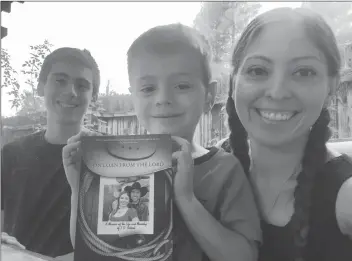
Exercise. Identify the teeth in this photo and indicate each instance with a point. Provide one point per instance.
(67, 105)
(276, 116)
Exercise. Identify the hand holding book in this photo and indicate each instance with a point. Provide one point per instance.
(11, 241)
(183, 169)
(72, 156)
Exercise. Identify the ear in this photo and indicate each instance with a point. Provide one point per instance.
(210, 96)
(94, 97)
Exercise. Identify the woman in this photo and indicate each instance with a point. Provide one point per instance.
(121, 210)
(285, 69)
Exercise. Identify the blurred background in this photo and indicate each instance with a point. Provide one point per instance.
(31, 30)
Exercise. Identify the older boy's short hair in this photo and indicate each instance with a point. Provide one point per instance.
(83, 56)
(173, 38)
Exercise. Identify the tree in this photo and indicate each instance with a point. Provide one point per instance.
(115, 102)
(222, 23)
(9, 78)
(30, 104)
(338, 15)
(32, 67)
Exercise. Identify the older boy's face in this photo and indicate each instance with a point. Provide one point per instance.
(168, 92)
(68, 91)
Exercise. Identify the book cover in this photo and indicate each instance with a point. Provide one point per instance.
(125, 205)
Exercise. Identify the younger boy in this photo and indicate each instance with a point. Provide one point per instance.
(171, 87)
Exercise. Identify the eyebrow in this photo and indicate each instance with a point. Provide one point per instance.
(67, 76)
(296, 59)
(147, 77)
(60, 74)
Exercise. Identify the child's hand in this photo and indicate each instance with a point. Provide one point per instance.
(183, 181)
(71, 157)
(9, 240)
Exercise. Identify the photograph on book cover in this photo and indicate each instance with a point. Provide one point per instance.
(126, 206)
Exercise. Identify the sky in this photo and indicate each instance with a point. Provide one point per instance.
(106, 29)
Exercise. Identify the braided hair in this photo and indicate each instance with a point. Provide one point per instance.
(315, 153)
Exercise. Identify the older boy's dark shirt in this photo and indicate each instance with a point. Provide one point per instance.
(35, 195)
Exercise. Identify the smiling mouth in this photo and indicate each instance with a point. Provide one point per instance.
(66, 105)
(276, 115)
(166, 116)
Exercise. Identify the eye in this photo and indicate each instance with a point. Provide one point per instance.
(83, 85)
(147, 89)
(305, 72)
(257, 71)
(183, 86)
(61, 81)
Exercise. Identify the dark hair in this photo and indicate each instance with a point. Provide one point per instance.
(173, 38)
(118, 202)
(315, 153)
(83, 56)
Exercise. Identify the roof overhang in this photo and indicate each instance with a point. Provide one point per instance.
(6, 7)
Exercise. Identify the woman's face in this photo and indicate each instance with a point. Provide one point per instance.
(124, 200)
(281, 85)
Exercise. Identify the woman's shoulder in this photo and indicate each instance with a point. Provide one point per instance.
(343, 207)
(338, 166)
(336, 184)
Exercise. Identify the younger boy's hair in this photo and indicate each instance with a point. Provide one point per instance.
(171, 39)
(83, 56)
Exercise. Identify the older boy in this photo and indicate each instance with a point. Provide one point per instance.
(35, 195)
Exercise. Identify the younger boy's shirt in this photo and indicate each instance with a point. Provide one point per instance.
(35, 195)
(223, 189)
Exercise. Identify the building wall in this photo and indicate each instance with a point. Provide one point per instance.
(344, 107)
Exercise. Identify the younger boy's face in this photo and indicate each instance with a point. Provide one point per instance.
(168, 92)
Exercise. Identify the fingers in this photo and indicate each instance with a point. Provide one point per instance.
(185, 146)
(6, 239)
(82, 133)
(183, 156)
(70, 150)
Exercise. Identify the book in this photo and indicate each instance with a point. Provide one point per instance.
(125, 199)
(9, 253)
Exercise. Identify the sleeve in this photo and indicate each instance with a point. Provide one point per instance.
(237, 207)
(145, 213)
(344, 208)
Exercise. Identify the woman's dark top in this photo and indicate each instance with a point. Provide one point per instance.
(325, 240)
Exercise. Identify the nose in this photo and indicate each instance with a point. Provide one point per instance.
(278, 88)
(71, 89)
(163, 96)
